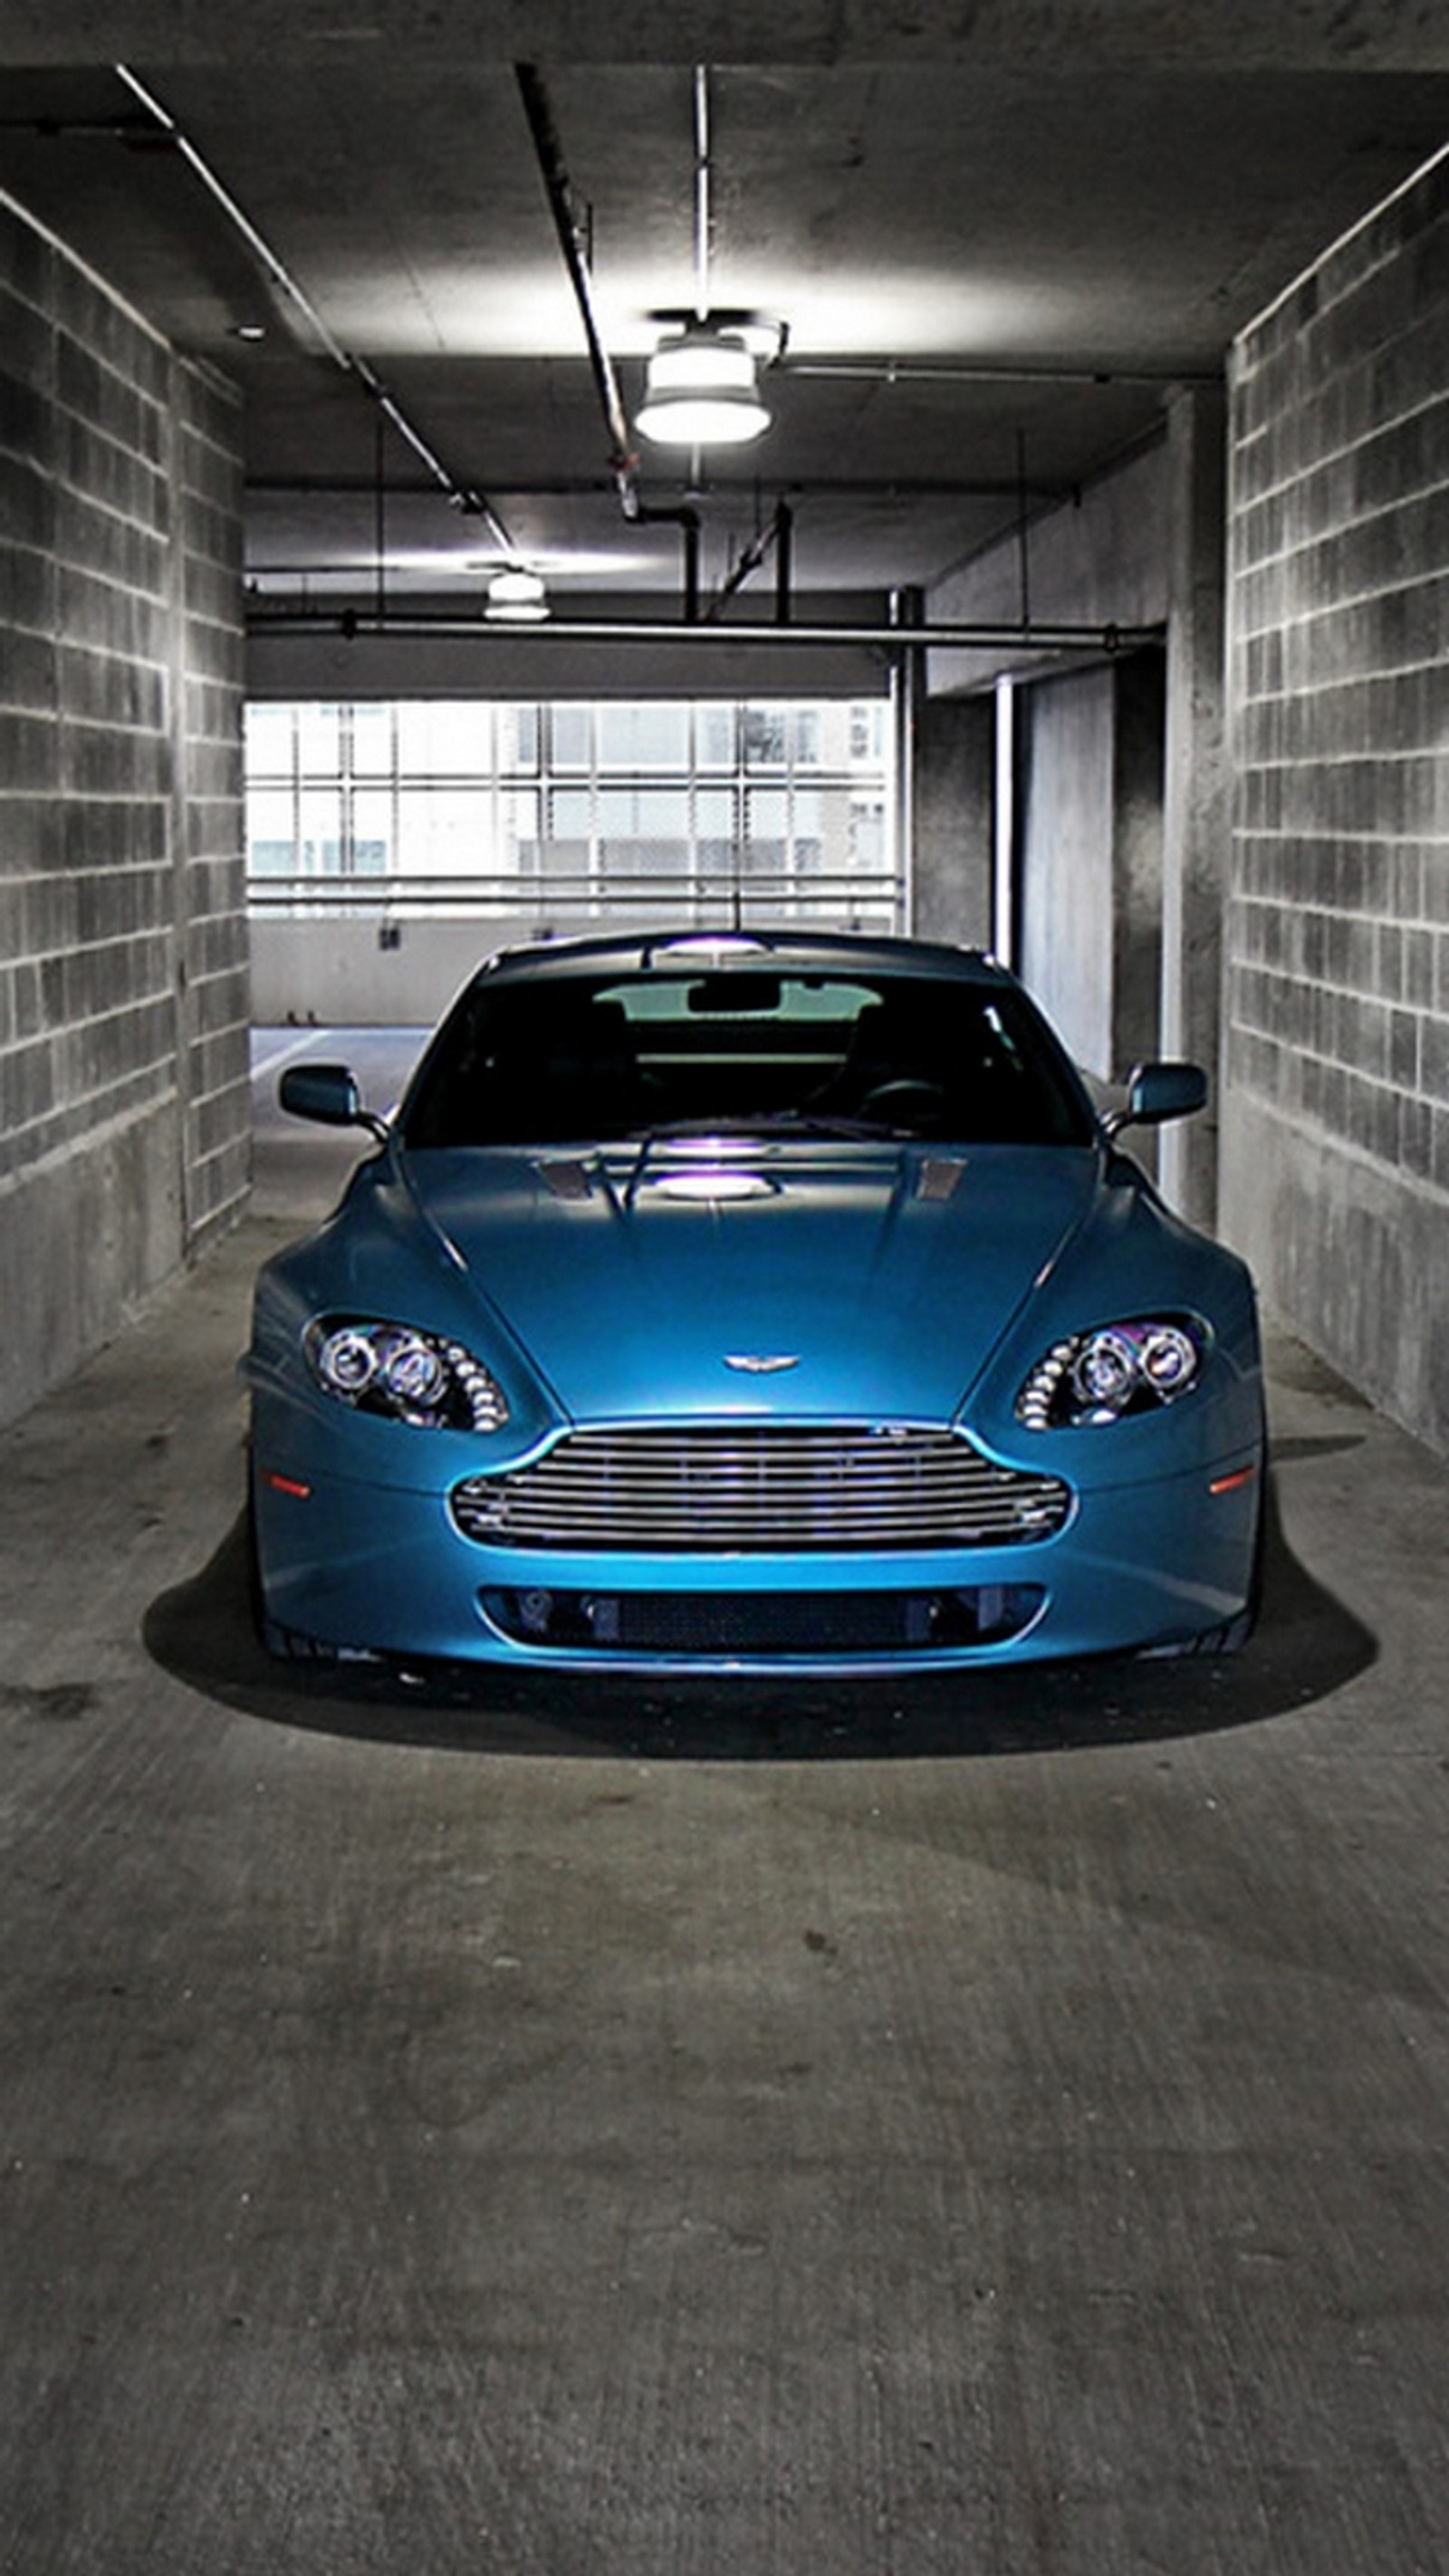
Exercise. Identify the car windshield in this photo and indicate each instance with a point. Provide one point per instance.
(569, 1059)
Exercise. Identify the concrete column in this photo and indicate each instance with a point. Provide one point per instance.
(1195, 800)
(1137, 756)
(955, 742)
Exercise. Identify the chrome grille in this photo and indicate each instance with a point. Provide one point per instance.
(760, 1489)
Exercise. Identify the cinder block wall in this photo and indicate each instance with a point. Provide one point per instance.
(208, 833)
(123, 986)
(1336, 1115)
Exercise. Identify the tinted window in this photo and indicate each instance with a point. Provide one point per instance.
(569, 1059)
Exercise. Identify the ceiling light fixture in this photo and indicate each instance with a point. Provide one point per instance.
(700, 387)
(517, 597)
(700, 390)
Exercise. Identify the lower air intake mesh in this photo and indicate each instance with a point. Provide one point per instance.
(711, 1625)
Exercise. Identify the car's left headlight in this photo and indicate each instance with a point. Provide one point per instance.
(426, 1379)
(1112, 1371)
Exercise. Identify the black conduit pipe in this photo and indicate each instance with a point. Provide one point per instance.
(623, 463)
(686, 519)
(560, 199)
(779, 534)
(784, 563)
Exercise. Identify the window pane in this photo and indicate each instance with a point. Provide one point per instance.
(867, 729)
(319, 849)
(648, 813)
(571, 814)
(643, 737)
(643, 832)
(268, 741)
(665, 802)
(372, 850)
(867, 833)
(764, 737)
(443, 831)
(807, 836)
(518, 814)
(319, 741)
(766, 830)
(372, 741)
(714, 737)
(271, 847)
(567, 849)
(571, 736)
(445, 737)
(518, 739)
(805, 738)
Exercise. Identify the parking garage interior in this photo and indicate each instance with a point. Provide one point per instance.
(984, 2125)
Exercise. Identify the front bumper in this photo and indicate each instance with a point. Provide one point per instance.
(352, 1563)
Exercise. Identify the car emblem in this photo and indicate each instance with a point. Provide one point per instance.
(762, 1363)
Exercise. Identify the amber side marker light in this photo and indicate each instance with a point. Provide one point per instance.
(1230, 1484)
(289, 1485)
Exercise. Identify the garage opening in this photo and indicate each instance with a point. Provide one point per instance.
(553, 816)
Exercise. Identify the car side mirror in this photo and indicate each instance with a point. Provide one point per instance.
(1157, 1092)
(328, 1094)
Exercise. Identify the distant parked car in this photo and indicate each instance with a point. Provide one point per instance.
(762, 1301)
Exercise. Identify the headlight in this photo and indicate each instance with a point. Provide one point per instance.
(1116, 1370)
(391, 1369)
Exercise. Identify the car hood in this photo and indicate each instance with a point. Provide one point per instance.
(755, 1281)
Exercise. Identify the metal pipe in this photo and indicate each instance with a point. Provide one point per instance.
(912, 371)
(784, 563)
(236, 216)
(685, 517)
(778, 533)
(463, 496)
(894, 487)
(701, 192)
(1105, 639)
(549, 151)
(907, 676)
(1023, 530)
(623, 462)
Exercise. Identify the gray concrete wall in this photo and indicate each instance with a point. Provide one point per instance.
(1064, 807)
(124, 1117)
(1099, 559)
(1089, 798)
(1121, 806)
(1336, 1117)
(346, 974)
(953, 809)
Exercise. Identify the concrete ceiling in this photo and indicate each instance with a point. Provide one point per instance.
(997, 234)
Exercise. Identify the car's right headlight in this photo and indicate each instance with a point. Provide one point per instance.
(426, 1379)
(1113, 1371)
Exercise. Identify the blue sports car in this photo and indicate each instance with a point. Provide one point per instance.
(752, 1301)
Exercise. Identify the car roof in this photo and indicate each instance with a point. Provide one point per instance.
(710, 950)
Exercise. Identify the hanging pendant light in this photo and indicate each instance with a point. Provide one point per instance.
(700, 390)
(700, 386)
(517, 597)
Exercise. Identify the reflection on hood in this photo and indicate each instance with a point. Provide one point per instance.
(886, 1274)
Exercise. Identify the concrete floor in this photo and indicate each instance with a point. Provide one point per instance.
(991, 2128)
